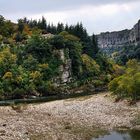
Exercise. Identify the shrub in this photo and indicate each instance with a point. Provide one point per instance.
(18, 93)
(127, 85)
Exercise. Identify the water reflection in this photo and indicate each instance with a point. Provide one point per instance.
(121, 135)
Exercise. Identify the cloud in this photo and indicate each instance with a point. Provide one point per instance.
(39, 6)
(98, 19)
(96, 15)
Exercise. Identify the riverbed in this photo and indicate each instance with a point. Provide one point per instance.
(82, 118)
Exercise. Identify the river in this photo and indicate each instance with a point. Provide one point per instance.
(120, 135)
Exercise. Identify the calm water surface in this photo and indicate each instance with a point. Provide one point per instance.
(121, 135)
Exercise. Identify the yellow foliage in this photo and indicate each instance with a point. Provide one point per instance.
(27, 30)
(44, 66)
(68, 36)
(118, 70)
(1, 38)
(35, 75)
(8, 75)
(19, 79)
(90, 64)
(114, 54)
(7, 56)
(128, 84)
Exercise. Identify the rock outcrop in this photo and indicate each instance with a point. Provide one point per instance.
(120, 38)
(64, 75)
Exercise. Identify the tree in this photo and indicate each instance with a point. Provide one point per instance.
(57, 41)
(69, 37)
(94, 45)
(128, 84)
(43, 23)
(7, 60)
(20, 25)
(39, 47)
(60, 27)
(1, 20)
(91, 68)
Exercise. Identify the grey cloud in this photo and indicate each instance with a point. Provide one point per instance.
(39, 6)
(15, 9)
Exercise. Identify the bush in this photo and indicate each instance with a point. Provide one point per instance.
(127, 85)
(18, 93)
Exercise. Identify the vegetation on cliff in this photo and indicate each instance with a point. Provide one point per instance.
(122, 54)
(30, 60)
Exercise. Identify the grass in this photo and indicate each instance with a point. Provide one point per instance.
(41, 137)
(19, 108)
(85, 132)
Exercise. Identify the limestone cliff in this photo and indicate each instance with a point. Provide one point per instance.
(65, 70)
(64, 75)
(120, 38)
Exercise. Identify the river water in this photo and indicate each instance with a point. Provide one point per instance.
(120, 135)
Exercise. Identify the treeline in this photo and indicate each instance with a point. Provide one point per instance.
(89, 42)
(20, 32)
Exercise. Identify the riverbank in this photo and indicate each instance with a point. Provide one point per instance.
(69, 119)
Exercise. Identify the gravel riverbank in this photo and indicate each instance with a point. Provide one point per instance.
(71, 119)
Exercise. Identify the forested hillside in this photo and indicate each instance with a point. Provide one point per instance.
(30, 58)
(127, 83)
(39, 59)
(122, 54)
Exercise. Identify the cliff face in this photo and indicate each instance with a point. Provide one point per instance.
(65, 71)
(120, 38)
(64, 75)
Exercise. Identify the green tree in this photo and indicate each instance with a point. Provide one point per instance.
(91, 68)
(127, 85)
(39, 47)
(20, 25)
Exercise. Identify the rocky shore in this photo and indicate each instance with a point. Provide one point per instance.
(70, 119)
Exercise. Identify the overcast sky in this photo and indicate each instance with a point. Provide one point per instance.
(96, 15)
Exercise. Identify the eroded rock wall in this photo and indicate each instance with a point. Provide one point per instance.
(64, 75)
(120, 38)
